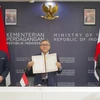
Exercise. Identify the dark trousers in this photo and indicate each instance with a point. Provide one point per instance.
(44, 82)
(3, 83)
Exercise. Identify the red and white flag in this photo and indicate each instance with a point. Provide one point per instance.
(3, 43)
(96, 55)
(24, 80)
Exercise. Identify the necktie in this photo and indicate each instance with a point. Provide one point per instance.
(44, 74)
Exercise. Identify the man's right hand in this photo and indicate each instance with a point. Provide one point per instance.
(30, 64)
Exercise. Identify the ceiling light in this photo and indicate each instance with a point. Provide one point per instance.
(31, 1)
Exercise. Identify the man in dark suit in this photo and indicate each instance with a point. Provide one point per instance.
(11, 18)
(48, 79)
(4, 67)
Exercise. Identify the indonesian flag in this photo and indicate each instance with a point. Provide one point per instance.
(3, 43)
(24, 80)
(96, 56)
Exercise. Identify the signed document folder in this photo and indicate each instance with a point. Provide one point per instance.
(44, 64)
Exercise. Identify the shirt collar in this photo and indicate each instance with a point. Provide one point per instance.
(43, 53)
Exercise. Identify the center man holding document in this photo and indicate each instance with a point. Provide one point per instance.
(44, 66)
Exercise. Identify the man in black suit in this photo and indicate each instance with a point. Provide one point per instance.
(48, 79)
(11, 18)
(4, 67)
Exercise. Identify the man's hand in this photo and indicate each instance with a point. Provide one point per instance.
(58, 64)
(1, 79)
(30, 64)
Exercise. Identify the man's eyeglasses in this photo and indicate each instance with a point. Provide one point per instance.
(45, 45)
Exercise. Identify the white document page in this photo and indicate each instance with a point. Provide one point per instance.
(51, 61)
(39, 65)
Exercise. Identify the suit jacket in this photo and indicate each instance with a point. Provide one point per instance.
(4, 66)
(52, 77)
